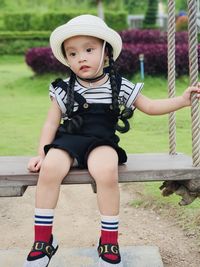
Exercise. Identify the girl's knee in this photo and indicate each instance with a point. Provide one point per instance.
(54, 167)
(106, 175)
(47, 172)
(103, 165)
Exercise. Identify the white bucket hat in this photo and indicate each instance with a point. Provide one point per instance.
(84, 25)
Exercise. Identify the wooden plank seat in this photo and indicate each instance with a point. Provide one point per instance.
(15, 178)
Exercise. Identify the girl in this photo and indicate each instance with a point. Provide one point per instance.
(89, 103)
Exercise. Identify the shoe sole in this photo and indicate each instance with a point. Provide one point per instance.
(53, 255)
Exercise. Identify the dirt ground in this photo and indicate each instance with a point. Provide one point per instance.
(77, 225)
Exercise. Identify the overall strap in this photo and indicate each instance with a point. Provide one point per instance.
(77, 97)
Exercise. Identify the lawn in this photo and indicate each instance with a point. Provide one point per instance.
(24, 103)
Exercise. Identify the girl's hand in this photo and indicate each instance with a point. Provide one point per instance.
(187, 94)
(35, 164)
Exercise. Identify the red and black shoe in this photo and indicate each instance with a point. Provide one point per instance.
(47, 250)
(105, 249)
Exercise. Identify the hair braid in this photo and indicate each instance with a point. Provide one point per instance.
(74, 122)
(70, 94)
(126, 113)
(112, 74)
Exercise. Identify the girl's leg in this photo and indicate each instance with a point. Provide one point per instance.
(103, 166)
(54, 168)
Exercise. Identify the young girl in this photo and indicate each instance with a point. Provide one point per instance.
(89, 103)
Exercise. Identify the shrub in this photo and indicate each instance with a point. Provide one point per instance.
(20, 42)
(50, 20)
(41, 60)
(150, 37)
(155, 59)
(17, 21)
(116, 20)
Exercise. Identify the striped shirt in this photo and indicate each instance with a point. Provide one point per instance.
(101, 94)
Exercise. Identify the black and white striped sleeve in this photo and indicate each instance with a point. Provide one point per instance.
(51, 91)
(60, 95)
(130, 92)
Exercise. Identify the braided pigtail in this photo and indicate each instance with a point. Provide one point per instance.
(113, 82)
(70, 95)
(126, 113)
(74, 122)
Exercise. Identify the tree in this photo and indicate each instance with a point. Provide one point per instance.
(151, 15)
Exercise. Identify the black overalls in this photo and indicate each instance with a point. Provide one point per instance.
(99, 121)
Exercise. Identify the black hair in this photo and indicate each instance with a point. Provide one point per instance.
(74, 123)
(124, 113)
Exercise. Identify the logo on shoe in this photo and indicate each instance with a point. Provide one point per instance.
(40, 246)
(108, 249)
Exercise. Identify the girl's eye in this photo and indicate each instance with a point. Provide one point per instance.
(72, 54)
(89, 49)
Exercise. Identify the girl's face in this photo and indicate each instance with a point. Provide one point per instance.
(83, 54)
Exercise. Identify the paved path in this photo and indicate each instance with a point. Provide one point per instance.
(137, 256)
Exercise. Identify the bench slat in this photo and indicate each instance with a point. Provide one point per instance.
(139, 168)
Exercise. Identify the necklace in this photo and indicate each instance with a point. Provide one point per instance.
(92, 80)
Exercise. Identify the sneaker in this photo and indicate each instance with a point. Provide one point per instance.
(47, 251)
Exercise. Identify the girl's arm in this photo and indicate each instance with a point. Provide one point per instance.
(50, 127)
(164, 106)
(48, 132)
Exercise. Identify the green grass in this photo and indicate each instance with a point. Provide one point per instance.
(24, 103)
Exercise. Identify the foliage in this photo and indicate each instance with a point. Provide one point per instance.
(50, 20)
(151, 43)
(137, 36)
(117, 20)
(135, 7)
(33, 30)
(24, 35)
(182, 23)
(37, 6)
(151, 14)
(18, 42)
(41, 60)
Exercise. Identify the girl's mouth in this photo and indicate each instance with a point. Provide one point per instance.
(84, 67)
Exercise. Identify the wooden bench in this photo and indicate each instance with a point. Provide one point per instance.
(15, 178)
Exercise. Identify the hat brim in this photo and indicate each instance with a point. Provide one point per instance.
(60, 34)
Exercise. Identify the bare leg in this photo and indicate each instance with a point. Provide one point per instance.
(103, 166)
(54, 168)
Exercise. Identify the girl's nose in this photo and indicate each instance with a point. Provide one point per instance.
(82, 58)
